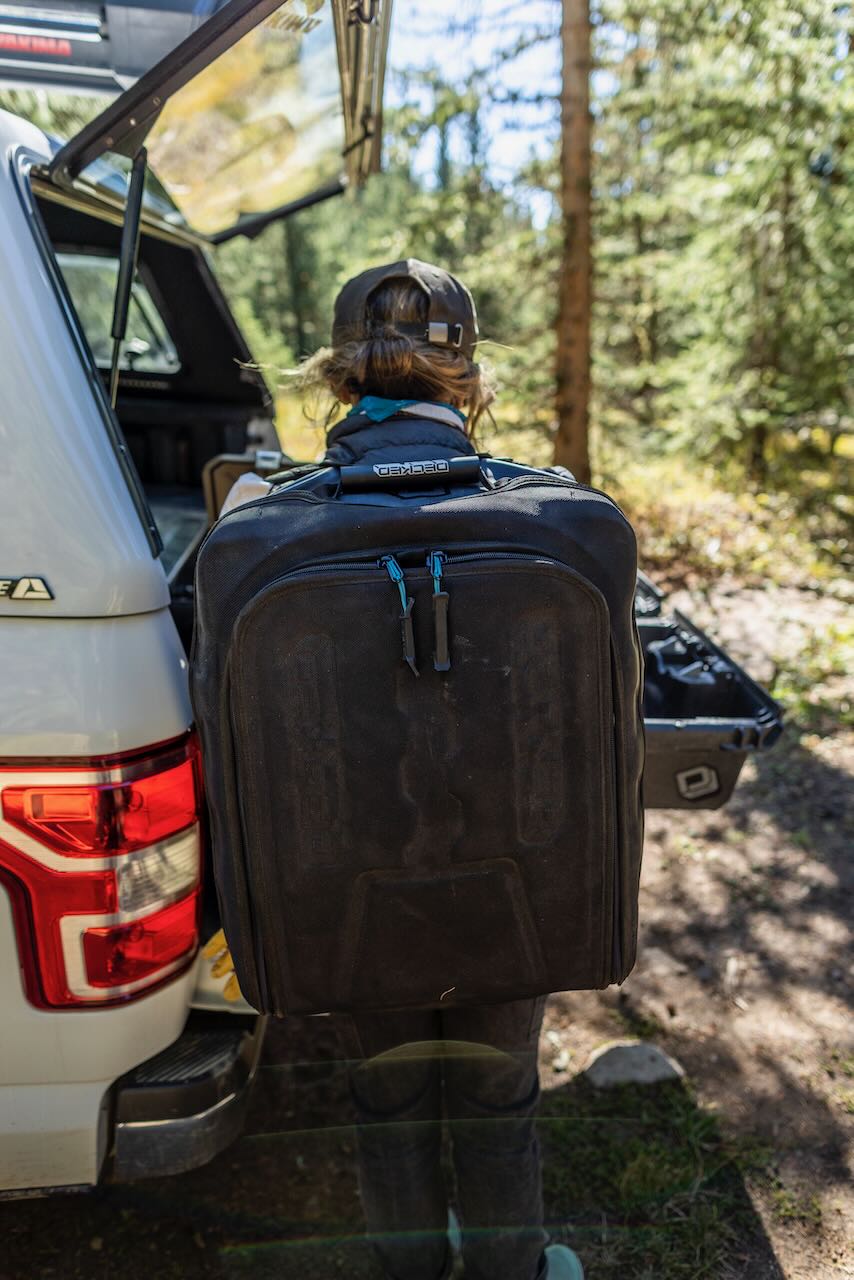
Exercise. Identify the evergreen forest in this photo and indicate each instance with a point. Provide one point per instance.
(723, 237)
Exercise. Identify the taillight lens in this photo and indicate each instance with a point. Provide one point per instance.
(106, 867)
(106, 817)
(128, 952)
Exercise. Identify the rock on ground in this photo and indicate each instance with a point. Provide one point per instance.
(630, 1062)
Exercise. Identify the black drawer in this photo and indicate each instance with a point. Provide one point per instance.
(703, 714)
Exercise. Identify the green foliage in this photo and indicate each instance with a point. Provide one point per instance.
(724, 229)
(723, 232)
(792, 1206)
(812, 687)
(58, 114)
(695, 522)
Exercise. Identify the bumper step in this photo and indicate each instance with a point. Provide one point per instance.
(182, 1107)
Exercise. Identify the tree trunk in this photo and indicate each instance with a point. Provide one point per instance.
(572, 373)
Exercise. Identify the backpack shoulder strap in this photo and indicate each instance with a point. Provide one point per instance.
(296, 471)
(507, 469)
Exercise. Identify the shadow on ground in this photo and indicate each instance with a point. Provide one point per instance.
(753, 939)
(640, 1182)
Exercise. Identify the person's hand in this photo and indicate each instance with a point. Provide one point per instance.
(216, 950)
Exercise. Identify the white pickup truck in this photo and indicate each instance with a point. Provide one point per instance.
(118, 1054)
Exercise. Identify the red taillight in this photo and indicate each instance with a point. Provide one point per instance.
(128, 952)
(107, 817)
(105, 867)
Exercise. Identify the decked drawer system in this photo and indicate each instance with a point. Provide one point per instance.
(703, 714)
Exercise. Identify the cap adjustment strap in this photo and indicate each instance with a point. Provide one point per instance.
(438, 332)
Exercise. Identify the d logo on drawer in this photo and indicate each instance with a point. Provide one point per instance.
(694, 784)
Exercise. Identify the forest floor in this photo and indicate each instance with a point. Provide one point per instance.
(744, 964)
(744, 969)
(743, 976)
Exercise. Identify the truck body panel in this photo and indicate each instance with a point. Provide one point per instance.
(88, 687)
(116, 1056)
(75, 524)
(98, 669)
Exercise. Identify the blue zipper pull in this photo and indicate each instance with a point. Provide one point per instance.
(441, 649)
(395, 572)
(435, 560)
(407, 604)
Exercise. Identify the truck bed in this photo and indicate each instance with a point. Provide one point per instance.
(181, 519)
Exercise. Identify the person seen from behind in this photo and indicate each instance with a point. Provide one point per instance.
(402, 360)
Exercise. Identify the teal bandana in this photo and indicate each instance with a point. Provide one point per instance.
(377, 408)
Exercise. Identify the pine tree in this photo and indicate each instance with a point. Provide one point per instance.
(723, 229)
(572, 355)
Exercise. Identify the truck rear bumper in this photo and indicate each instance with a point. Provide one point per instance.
(181, 1108)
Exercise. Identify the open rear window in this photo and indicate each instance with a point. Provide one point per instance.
(261, 126)
(266, 106)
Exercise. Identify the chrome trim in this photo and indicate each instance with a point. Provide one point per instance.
(200, 1116)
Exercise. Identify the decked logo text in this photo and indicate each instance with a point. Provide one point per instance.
(436, 467)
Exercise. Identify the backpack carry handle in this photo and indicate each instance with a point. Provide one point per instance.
(415, 474)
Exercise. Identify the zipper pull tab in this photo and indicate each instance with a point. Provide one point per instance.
(408, 638)
(435, 560)
(441, 651)
(407, 604)
(395, 572)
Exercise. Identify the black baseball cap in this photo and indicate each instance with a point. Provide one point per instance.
(451, 314)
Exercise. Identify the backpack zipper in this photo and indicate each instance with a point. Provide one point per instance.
(407, 604)
(436, 560)
(440, 599)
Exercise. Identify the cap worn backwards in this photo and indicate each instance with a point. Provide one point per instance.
(451, 314)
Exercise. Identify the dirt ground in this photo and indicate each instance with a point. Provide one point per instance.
(745, 963)
(743, 976)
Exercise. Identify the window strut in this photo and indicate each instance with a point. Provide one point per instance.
(127, 265)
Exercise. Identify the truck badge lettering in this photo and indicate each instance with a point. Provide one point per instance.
(24, 589)
(437, 466)
(35, 44)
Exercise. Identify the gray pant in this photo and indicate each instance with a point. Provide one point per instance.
(486, 1059)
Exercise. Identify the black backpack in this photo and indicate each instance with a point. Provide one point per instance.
(418, 688)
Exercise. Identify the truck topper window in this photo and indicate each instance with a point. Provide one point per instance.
(91, 281)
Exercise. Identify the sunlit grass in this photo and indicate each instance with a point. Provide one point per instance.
(695, 522)
(642, 1180)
